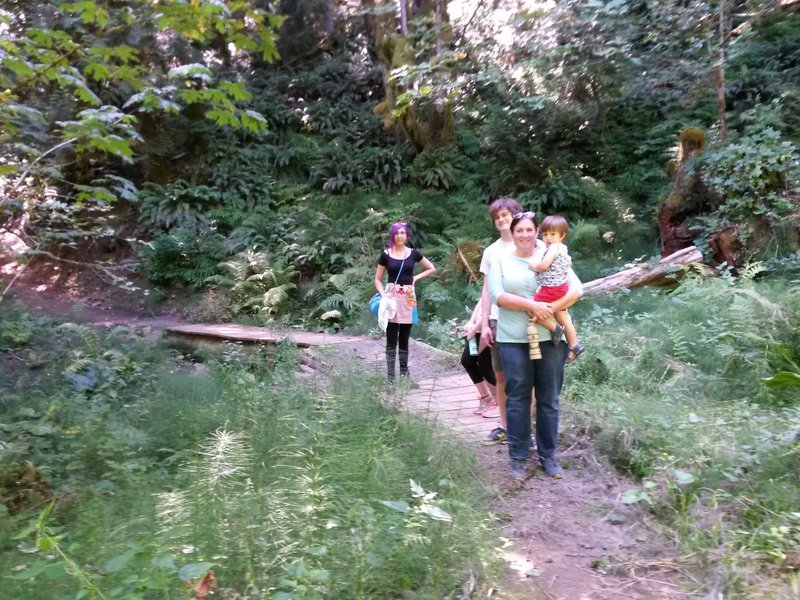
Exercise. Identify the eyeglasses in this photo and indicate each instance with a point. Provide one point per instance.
(529, 214)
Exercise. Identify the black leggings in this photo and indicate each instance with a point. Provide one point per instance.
(479, 368)
(397, 334)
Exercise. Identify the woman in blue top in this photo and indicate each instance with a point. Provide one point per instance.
(512, 285)
(397, 261)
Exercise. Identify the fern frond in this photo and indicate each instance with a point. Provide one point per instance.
(79, 364)
(679, 346)
(751, 269)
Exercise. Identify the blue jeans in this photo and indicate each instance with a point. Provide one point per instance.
(545, 377)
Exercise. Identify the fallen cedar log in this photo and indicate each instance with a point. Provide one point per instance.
(664, 272)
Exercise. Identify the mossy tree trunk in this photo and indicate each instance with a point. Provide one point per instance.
(690, 197)
(426, 123)
(683, 199)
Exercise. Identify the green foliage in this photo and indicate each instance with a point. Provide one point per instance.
(238, 173)
(338, 172)
(239, 468)
(758, 179)
(176, 205)
(439, 168)
(16, 328)
(674, 393)
(182, 257)
(90, 52)
(568, 195)
(443, 334)
(256, 283)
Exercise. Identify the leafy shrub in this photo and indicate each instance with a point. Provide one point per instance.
(440, 168)
(256, 282)
(16, 328)
(336, 171)
(183, 256)
(569, 195)
(383, 168)
(238, 172)
(179, 204)
(585, 239)
(644, 185)
(758, 179)
(443, 334)
(339, 171)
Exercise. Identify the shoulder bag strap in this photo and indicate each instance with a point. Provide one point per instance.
(396, 279)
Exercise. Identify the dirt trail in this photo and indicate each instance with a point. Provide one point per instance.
(566, 539)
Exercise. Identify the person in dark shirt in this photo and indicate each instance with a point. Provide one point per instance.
(397, 262)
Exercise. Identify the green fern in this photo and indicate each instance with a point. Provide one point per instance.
(678, 344)
(437, 168)
(350, 294)
(751, 269)
(255, 282)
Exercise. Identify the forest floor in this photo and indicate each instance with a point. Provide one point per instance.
(564, 539)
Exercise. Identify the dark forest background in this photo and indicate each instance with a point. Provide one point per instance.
(263, 149)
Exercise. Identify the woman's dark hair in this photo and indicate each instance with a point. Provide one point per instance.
(528, 214)
(508, 204)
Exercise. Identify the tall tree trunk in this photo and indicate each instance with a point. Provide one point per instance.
(719, 76)
(437, 19)
(330, 17)
(425, 123)
(404, 17)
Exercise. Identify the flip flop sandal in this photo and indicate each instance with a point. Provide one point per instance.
(483, 404)
(576, 351)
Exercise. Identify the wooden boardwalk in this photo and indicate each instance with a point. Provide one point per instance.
(247, 333)
(446, 399)
(450, 400)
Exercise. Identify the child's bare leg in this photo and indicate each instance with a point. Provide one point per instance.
(569, 328)
(551, 324)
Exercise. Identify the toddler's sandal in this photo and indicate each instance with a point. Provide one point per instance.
(575, 352)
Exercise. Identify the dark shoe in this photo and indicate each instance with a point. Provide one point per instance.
(496, 436)
(575, 352)
(555, 335)
(518, 469)
(551, 467)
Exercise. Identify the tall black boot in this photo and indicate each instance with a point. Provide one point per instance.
(391, 356)
(404, 363)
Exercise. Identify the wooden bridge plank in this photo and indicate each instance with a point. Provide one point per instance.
(248, 333)
(449, 401)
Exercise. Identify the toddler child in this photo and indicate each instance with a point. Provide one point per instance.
(551, 274)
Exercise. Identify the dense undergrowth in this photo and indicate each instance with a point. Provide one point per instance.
(159, 469)
(126, 470)
(674, 390)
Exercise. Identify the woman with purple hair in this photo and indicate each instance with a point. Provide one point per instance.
(397, 262)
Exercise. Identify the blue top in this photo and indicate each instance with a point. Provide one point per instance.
(510, 274)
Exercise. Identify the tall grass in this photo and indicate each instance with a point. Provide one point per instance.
(673, 389)
(282, 488)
